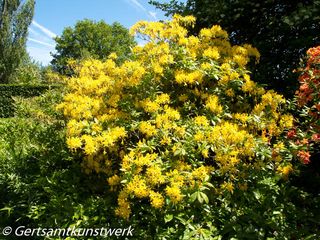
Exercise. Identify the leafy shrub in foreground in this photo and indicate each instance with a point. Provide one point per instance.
(41, 185)
(9, 91)
(179, 126)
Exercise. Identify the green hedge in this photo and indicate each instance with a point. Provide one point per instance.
(7, 91)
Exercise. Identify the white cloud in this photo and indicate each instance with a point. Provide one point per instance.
(139, 6)
(41, 42)
(44, 29)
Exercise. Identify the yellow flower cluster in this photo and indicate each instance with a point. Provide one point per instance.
(148, 129)
(201, 121)
(231, 144)
(159, 125)
(189, 78)
(285, 170)
(213, 104)
(267, 114)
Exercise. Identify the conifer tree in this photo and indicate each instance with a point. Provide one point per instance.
(15, 18)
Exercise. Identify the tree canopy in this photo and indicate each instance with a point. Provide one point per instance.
(91, 39)
(282, 30)
(15, 18)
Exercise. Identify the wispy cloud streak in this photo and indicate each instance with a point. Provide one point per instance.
(41, 42)
(45, 30)
(137, 4)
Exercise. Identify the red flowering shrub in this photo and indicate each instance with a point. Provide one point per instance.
(308, 102)
(309, 92)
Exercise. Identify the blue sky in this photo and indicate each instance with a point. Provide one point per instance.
(52, 16)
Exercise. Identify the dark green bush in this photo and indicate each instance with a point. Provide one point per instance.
(41, 183)
(7, 91)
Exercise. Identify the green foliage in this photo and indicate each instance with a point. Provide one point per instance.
(281, 30)
(29, 147)
(91, 39)
(268, 209)
(29, 72)
(15, 18)
(39, 184)
(7, 91)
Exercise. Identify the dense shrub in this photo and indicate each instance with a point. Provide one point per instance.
(29, 72)
(28, 147)
(308, 96)
(188, 143)
(305, 136)
(7, 91)
(41, 184)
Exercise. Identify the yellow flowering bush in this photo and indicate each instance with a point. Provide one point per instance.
(180, 116)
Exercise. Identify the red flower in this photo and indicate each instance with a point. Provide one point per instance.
(304, 77)
(316, 137)
(291, 134)
(304, 156)
(304, 87)
(314, 51)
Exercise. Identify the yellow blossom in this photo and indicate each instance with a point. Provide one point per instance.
(212, 52)
(227, 186)
(285, 171)
(90, 144)
(213, 104)
(147, 128)
(114, 180)
(201, 121)
(165, 140)
(174, 193)
(137, 186)
(162, 98)
(154, 175)
(150, 106)
(199, 136)
(157, 200)
(74, 142)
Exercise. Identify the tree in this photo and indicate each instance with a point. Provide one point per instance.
(15, 18)
(91, 39)
(282, 30)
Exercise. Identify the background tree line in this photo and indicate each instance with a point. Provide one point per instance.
(86, 39)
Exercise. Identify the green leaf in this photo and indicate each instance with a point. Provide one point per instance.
(204, 197)
(193, 196)
(200, 199)
(168, 218)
